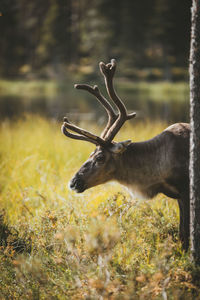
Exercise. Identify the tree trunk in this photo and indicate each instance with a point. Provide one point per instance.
(195, 132)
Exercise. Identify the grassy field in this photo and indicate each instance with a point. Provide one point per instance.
(160, 91)
(50, 98)
(101, 244)
(50, 89)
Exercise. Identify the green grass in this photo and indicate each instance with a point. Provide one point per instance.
(22, 88)
(159, 91)
(101, 244)
(156, 100)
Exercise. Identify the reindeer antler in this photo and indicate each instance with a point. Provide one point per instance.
(112, 116)
(108, 71)
(83, 134)
(115, 121)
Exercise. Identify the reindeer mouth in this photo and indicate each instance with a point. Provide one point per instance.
(77, 185)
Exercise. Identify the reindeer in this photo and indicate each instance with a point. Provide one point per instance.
(158, 165)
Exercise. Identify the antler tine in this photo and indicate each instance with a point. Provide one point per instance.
(82, 133)
(108, 72)
(75, 136)
(110, 111)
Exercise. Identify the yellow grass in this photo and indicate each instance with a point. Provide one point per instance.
(101, 244)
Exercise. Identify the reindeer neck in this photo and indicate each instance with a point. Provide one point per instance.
(140, 162)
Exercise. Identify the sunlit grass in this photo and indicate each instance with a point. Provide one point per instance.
(35, 88)
(101, 244)
(158, 91)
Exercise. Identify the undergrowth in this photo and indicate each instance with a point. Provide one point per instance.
(102, 244)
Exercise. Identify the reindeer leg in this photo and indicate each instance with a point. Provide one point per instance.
(184, 226)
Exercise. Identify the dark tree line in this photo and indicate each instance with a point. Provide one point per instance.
(53, 35)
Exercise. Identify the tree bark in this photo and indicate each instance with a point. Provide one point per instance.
(195, 132)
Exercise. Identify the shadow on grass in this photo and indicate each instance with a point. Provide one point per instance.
(9, 238)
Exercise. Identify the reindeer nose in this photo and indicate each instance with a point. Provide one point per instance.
(71, 183)
(77, 184)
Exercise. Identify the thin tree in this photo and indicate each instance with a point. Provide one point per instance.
(195, 132)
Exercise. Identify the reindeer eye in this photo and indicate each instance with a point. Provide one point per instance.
(100, 158)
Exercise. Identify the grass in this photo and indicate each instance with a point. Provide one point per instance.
(101, 244)
(156, 100)
(159, 91)
(35, 88)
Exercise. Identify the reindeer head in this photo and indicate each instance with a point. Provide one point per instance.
(103, 162)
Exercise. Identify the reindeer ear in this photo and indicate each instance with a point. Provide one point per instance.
(120, 147)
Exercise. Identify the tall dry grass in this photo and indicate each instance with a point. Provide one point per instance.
(101, 244)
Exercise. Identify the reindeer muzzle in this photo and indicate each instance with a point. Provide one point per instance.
(77, 184)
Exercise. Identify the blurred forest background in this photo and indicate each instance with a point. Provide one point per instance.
(103, 243)
(47, 46)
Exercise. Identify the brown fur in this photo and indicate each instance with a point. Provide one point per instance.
(159, 165)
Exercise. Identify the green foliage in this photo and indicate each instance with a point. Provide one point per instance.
(44, 39)
(98, 245)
